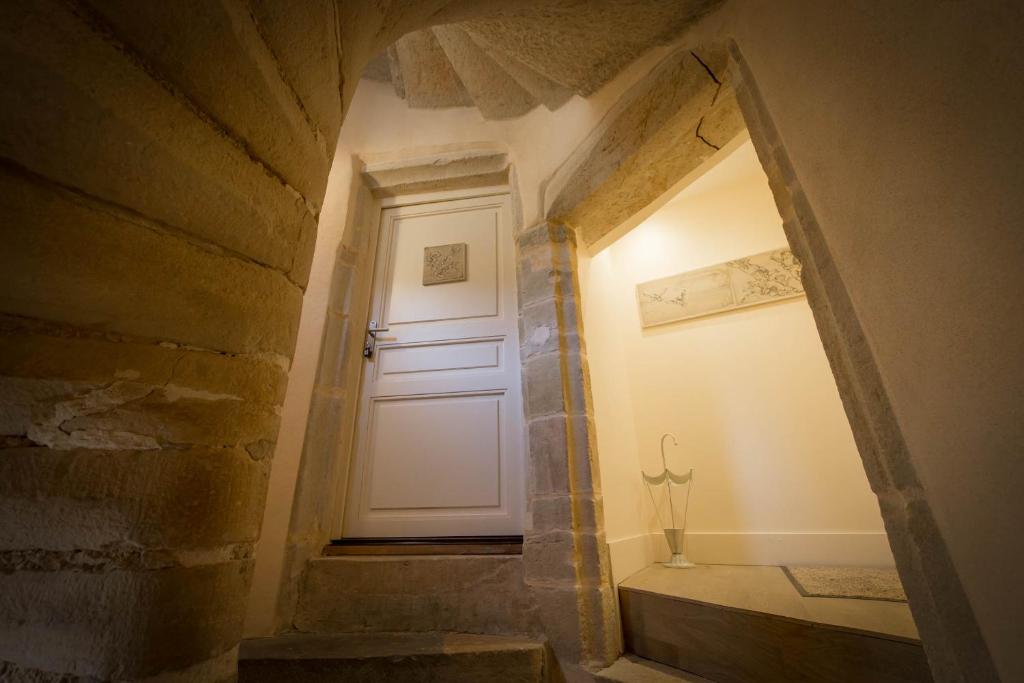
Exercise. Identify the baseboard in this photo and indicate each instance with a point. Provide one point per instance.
(870, 548)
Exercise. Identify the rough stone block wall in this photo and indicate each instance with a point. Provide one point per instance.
(161, 171)
(565, 555)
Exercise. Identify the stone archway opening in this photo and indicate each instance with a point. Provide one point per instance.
(628, 168)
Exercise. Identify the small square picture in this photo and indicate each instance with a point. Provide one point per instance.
(444, 263)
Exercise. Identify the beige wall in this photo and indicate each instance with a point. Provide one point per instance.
(903, 123)
(748, 393)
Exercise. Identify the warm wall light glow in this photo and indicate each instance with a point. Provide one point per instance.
(749, 393)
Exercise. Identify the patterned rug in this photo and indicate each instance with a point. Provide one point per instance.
(862, 583)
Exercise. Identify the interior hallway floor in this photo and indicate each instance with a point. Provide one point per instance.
(738, 624)
(769, 591)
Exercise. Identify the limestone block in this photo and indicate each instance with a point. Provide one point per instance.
(633, 669)
(546, 261)
(395, 69)
(118, 625)
(723, 120)
(378, 68)
(601, 623)
(583, 50)
(223, 65)
(647, 142)
(303, 38)
(567, 555)
(164, 499)
(581, 512)
(581, 623)
(495, 93)
(428, 76)
(369, 658)
(562, 455)
(445, 167)
(556, 382)
(935, 599)
(468, 594)
(172, 420)
(540, 87)
(124, 414)
(549, 325)
(118, 392)
(90, 117)
(311, 512)
(335, 352)
(340, 297)
(72, 261)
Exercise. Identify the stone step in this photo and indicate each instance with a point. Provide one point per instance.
(396, 657)
(552, 95)
(429, 80)
(496, 94)
(633, 669)
(395, 69)
(417, 593)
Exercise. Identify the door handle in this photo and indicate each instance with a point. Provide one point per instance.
(371, 338)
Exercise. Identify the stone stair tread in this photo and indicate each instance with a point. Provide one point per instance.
(427, 76)
(496, 94)
(310, 646)
(395, 67)
(552, 95)
(633, 669)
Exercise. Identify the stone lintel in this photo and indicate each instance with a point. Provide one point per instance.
(443, 168)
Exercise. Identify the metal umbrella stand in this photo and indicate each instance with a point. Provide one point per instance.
(673, 534)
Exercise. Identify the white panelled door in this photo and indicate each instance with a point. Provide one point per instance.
(439, 439)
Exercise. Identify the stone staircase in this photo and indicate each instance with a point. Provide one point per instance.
(371, 658)
(532, 54)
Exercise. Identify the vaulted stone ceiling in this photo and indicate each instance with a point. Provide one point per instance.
(528, 54)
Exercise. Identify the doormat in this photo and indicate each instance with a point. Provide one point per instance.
(861, 583)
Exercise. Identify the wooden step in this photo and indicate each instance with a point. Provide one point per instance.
(356, 658)
(747, 624)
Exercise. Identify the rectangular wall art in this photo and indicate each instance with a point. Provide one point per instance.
(770, 276)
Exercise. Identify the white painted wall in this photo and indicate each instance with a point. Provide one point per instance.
(749, 394)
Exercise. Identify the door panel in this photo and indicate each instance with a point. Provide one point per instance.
(421, 462)
(402, 363)
(439, 438)
(411, 301)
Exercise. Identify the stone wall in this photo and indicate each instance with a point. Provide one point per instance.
(162, 168)
(565, 554)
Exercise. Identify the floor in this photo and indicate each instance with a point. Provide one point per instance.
(768, 590)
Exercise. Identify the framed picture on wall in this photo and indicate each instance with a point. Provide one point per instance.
(769, 276)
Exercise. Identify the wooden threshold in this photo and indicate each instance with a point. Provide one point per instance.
(440, 545)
